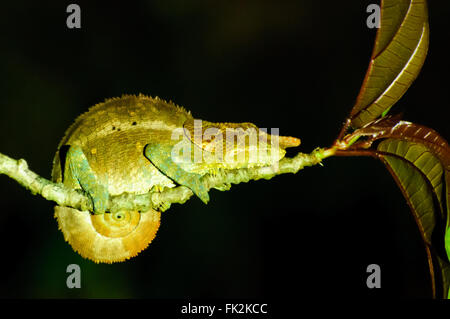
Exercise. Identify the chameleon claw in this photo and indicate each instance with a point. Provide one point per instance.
(214, 171)
(163, 206)
(223, 187)
(157, 188)
(204, 197)
(200, 191)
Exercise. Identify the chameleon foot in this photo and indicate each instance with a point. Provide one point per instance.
(160, 156)
(81, 173)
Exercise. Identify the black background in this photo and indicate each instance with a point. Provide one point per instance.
(293, 65)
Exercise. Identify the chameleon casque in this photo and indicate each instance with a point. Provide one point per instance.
(132, 144)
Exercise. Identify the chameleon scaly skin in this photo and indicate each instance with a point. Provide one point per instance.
(128, 145)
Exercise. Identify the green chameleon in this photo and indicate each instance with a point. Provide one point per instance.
(137, 144)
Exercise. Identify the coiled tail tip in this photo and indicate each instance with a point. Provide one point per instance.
(108, 237)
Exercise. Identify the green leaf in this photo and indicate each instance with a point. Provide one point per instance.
(420, 177)
(400, 50)
(420, 172)
(444, 266)
(446, 276)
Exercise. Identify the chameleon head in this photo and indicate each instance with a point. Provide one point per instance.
(237, 145)
(108, 237)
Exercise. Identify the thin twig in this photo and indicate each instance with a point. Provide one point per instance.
(160, 200)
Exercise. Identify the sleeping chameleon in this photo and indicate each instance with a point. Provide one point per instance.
(137, 144)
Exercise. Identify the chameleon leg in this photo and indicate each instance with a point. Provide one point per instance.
(160, 156)
(80, 171)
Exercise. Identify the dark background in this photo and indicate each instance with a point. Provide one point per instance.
(295, 65)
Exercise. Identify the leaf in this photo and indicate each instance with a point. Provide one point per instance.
(444, 266)
(420, 172)
(417, 157)
(400, 50)
(419, 160)
(393, 127)
(446, 275)
(420, 177)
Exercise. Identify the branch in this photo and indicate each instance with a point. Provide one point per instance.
(160, 200)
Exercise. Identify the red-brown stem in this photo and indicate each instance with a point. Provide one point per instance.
(356, 153)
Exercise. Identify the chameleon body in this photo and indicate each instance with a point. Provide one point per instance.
(135, 144)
